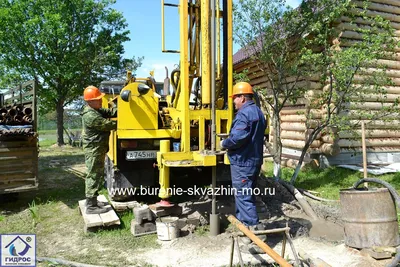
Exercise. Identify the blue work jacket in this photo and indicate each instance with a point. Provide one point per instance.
(246, 137)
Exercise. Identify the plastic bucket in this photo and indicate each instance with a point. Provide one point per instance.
(167, 228)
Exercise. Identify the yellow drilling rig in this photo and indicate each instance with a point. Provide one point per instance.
(159, 131)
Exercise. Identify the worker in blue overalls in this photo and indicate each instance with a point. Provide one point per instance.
(245, 151)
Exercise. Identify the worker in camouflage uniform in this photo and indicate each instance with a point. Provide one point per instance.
(96, 130)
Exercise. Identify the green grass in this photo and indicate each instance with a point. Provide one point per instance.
(202, 230)
(49, 137)
(329, 181)
(52, 214)
(34, 209)
(54, 131)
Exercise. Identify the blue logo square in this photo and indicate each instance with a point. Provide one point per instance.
(17, 250)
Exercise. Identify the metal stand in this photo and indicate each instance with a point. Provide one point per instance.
(235, 240)
(252, 235)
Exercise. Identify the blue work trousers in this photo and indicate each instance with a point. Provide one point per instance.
(244, 180)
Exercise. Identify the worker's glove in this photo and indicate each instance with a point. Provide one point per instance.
(221, 146)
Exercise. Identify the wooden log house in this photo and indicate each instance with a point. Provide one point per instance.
(382, 138)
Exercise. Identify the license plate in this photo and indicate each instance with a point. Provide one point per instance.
(138, 155)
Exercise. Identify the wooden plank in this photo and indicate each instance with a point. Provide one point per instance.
(16, 165)
(17, 149)
(379, 7)
(13, 181)
(91, 220)
(389, 2)
(110, 217)
(18, 188)
(13, 176)
(28, 143)
(12, 162)
(104, 219)
(120, 206)
(18, 155)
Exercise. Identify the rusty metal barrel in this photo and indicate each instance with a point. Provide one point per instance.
(369, 217)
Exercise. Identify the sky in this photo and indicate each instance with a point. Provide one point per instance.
(144, 23)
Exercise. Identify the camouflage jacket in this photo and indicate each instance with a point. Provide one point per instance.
(97, 126)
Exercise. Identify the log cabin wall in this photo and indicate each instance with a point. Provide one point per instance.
(382, 138)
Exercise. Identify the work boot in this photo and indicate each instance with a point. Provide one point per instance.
(93, 208)
(102, 204)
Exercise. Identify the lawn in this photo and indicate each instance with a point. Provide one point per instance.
(329, 181)
(49, 137)
(52, 212)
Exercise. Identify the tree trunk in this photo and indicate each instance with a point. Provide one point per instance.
(277, 144)
(60, 123)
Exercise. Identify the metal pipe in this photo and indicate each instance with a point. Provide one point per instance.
(225, 50)
(214, 228)
(162, 27)
(205, 52)
(3, 111)
(12, 112)
(218, 41)
(27, 111)
(267, 249)
(213, 48)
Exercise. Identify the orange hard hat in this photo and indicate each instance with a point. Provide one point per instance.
(92, 93)
(242, 88)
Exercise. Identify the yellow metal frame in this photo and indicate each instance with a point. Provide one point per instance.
(195, 62)
(182, 113)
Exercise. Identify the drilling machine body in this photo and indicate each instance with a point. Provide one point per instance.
(159, 132)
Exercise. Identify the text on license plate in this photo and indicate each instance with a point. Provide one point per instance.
(136, 155)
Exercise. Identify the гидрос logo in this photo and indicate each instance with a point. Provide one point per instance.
(17, 250)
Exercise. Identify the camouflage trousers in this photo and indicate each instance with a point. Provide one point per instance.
(95, 173)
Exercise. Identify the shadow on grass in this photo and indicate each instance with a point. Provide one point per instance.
(57, 182)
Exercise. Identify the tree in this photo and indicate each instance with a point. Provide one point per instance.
(290, 46)
(351, 75)
(65, 45)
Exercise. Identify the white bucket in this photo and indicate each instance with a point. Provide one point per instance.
(167, 228)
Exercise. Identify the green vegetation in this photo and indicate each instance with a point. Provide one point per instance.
(52, 214)
(41, 40)
(34, 209)
(329, 181)
(49, 137)
(292, 45)
(202, 230)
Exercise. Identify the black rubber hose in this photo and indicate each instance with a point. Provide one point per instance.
(175, 83)
(396, 196)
